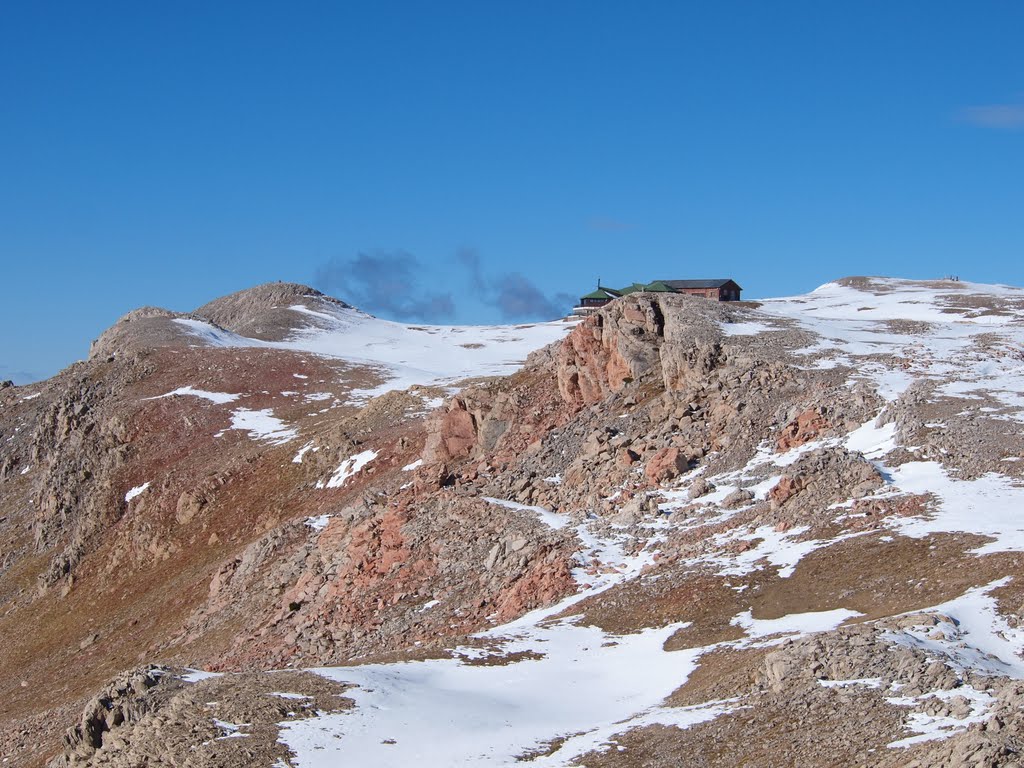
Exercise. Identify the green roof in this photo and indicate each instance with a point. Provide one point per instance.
(658, 287)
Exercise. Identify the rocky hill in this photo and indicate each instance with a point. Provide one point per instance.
(278, 531)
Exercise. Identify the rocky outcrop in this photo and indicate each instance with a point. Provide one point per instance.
(452, 434)
(863, 663)
(81, 444)
(825, 476)
(137, 333)
(152, 716)
(123, 701)
(264, 312)
(666, 464)
(804, 428)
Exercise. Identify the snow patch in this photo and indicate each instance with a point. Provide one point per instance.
(137, 490)
(933, 727)
(347, 469)
(744, 329)
(813, 621)
(262, 425)
(551, 519)
(319, 522)
(403, 355)
(214, 397)
(196, 675)
(303, 451)
(443, 712)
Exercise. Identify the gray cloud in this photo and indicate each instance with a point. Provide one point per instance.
(470, 259)
(1005, 116)
(390, 284)
(518, 298)
(385, 282)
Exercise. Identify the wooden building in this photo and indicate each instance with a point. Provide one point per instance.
(717, 290)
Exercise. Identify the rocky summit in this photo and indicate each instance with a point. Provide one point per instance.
(278, 531)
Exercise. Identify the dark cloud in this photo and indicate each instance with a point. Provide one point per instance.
(1006, 116)
(518, 298)
(388, 283)
(469, 258)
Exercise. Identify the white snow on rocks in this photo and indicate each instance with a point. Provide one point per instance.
(319, 522)
(292, 696)
(744, 329)
(262, 425)
(444, 712)
(801, 623)
(859, 682)
(303, 451)
(214, 397)
(781, 549)
(975, 636)
(853, 326)
(414, 465)
(872, 440)
(988, 506)
(551, 519)
(137, 490)
(347, 469)
(938, 726)
(231, 730)
(966, 633)
(195, 675)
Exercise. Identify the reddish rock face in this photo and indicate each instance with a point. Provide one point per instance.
(804, 428)
(544, 584)
(786, 489)
(608, 351)
(459, 432)
(666, 464)
(453, 436)
(584, 365)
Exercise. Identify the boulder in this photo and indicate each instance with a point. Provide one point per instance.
(666, 464)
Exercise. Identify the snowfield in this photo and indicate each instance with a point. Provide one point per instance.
(854, 326)
(403, 355)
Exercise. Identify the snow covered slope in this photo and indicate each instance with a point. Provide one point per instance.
(898, 331)
(403, 354)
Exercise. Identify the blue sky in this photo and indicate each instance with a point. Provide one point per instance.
(481, 161)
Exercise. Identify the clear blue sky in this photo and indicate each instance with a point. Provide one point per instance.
(472, 153)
